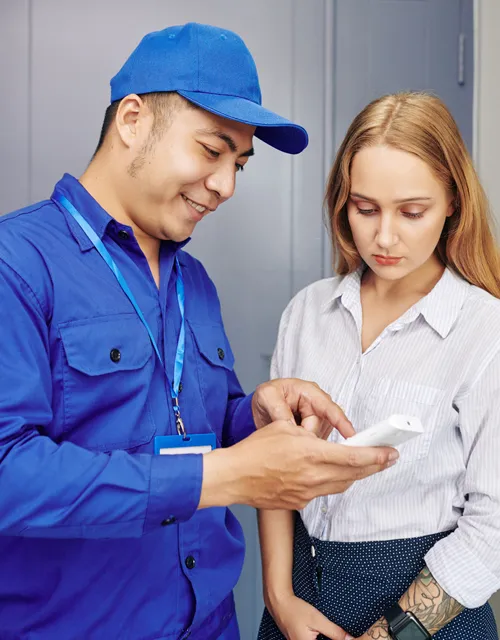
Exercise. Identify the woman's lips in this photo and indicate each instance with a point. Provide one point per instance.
(387, 260)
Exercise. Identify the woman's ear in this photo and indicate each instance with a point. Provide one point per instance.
(453, 207)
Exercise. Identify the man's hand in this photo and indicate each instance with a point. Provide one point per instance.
(283, 467)
(285, 398)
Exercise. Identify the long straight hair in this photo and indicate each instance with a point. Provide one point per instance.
(419, 123)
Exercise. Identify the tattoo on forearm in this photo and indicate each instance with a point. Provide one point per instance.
(379, 631)
(428, 601)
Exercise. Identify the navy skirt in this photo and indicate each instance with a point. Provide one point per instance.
(354, 583)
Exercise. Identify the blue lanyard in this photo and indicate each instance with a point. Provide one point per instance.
(179, 356)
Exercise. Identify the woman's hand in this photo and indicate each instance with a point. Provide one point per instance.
(298, 620)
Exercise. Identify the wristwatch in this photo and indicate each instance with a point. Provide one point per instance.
(404, 625)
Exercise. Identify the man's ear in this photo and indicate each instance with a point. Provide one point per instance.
(133, 121)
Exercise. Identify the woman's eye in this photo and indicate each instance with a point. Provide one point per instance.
(412, 215)
(366, 212)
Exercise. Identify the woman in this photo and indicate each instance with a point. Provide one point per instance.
(411, 326)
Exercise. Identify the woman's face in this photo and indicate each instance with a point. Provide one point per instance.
(396, 210)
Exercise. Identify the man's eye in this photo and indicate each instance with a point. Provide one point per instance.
(239, 167)
(214, 154)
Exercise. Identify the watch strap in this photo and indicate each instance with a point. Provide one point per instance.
(395, 616)
(399, 620)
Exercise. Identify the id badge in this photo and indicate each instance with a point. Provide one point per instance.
(175, 445)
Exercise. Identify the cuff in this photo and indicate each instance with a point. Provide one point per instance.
(459, 572)
(175, 489)
(242, 423)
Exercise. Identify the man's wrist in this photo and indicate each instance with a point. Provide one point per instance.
(220, 484)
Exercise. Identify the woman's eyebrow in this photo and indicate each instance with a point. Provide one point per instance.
(368, 199)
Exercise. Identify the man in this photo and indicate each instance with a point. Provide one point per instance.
(114, 353)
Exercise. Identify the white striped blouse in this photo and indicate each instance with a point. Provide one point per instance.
(440, 361)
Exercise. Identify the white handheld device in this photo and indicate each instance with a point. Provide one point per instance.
(389, 433)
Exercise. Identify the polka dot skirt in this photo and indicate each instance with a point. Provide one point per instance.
(354, 583)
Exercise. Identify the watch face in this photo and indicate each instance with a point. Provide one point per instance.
(412, 632)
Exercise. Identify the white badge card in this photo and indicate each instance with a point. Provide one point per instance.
(175, 445)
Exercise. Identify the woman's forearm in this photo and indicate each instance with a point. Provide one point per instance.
(433, 607)
(276, 543)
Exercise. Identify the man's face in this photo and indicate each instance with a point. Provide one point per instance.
(185, 174)
(396, 210)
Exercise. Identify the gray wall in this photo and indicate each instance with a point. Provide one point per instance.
(14, 105)
(316, 61)
(487, 100)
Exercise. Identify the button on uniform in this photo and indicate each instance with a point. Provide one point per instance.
(168, 521)
(221, 354)
(115, 355)
(123, 235)
(190, 562)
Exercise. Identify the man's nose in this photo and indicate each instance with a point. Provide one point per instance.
(222, 182)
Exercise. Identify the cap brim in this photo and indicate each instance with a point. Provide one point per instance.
(271, 128)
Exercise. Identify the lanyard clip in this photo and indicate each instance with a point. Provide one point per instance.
(181, 429)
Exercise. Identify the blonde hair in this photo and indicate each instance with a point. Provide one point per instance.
(419, 123)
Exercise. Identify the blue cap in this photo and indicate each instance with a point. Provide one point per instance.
(212, 68)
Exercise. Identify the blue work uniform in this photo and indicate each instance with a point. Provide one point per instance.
(99, 538)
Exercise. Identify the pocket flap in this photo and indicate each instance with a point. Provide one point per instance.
(106, 345)
(213, 344)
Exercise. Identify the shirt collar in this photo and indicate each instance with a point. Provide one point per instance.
(80, 198)
(440, 307)
(98, 218)
(347, 290)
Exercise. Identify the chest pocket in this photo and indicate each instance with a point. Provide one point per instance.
(390, 397)
(216, 361)
(107, 369)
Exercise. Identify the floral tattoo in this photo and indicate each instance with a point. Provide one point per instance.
(430, 603)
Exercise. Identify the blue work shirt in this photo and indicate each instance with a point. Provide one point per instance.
(99, 538)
